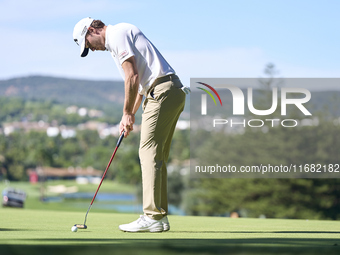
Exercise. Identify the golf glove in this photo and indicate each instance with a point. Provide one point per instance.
(186, 90)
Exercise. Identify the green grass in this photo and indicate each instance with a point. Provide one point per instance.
(33, 192)
(24, 231)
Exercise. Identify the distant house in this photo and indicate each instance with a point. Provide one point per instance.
(71, 173)
(9, 128)
(183, 124)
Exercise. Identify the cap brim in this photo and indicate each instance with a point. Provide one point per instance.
(83, 50)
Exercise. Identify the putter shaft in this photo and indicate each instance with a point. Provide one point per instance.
(108, 165)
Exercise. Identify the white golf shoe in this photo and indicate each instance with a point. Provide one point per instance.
(165, 222)
(143, 224)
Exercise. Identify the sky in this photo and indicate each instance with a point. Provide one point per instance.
(208, 39)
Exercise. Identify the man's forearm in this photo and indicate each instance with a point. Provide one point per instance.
(138, 101)
(131, 89)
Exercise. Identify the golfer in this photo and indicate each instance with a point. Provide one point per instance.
(145, 73)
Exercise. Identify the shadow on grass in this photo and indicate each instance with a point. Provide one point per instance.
(261, 232)
(14, 229)
(176, 246)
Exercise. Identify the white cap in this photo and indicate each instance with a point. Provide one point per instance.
(79, 33)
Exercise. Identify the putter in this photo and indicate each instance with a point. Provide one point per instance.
(83, 226)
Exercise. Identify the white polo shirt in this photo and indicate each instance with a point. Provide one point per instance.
(124, 41)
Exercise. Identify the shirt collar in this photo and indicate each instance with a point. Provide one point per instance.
(107, 45)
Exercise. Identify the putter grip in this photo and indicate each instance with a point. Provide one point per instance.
(120, 139)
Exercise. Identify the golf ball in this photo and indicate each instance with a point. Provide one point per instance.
(74, 229)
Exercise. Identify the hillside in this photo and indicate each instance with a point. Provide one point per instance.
(103, 95)
(66, 91)
(110, 94)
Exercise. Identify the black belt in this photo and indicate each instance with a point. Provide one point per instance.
(162, 79)
(166, 78)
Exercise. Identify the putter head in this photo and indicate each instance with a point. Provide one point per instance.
(81, 226)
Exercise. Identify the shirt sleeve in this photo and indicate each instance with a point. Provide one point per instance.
(123, 46)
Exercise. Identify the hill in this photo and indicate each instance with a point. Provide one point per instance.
(67, 91)
(103, 95)
(110, 94)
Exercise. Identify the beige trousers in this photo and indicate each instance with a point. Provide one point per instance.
(161, 110)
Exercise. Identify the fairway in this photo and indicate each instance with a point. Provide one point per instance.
(39, 232)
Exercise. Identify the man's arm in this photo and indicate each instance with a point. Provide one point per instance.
(139, 100)
(131, 90)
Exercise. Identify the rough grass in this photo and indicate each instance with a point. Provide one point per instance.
(24, 231)
(34, 194)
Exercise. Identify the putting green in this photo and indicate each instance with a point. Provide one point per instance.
(25, 231)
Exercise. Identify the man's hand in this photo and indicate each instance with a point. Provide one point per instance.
(126, 123)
